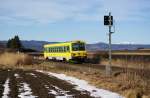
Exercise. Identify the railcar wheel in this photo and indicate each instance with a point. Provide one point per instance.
(64, 60)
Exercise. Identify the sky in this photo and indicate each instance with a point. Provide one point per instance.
(67, 20)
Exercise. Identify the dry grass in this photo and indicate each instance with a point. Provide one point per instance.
(133, 59)
(137, 64)
(129, 84)
(14, 59)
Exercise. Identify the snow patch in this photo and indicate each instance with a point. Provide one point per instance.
(17, 75)
(6, 89)
(59, 93)
(32, 74)
(25, 91)
(83, 85)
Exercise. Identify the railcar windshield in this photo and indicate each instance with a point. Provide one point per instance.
(78, 47)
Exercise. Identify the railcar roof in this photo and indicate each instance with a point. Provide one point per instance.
(62, 43)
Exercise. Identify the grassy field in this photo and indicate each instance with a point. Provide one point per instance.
(13, 59)
(127, 82)
(124, 58)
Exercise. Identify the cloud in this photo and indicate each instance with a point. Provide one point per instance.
(126, 10)
(53, 11)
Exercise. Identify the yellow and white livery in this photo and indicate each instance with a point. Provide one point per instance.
(73, 50)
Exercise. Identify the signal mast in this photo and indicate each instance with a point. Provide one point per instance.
(108, 21)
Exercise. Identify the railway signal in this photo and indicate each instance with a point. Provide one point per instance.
(108, 21)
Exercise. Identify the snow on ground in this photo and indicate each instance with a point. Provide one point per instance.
(25, 91)
(32, 74)
(84, 86)
(59, 93)
(16, 75)
(62, 92)
(6, 89)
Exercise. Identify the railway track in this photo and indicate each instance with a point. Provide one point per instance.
(145, 73)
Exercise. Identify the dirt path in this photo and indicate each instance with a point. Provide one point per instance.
(32, 84)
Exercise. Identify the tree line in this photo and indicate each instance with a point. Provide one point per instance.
(14, 43)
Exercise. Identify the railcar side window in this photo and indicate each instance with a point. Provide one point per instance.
(57, 49)
(63, 49)
(54, 49)
(50, 49)
(44, 49)
(68, 48)
(60, 49)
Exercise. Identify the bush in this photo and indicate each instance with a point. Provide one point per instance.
(15, 59)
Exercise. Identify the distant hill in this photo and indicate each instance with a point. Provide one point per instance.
(35, 45)
(104, 46)
(97, 46)
(2, 47)
(38, 45)
(32, 44)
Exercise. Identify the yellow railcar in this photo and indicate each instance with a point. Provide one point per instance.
(73, 50)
